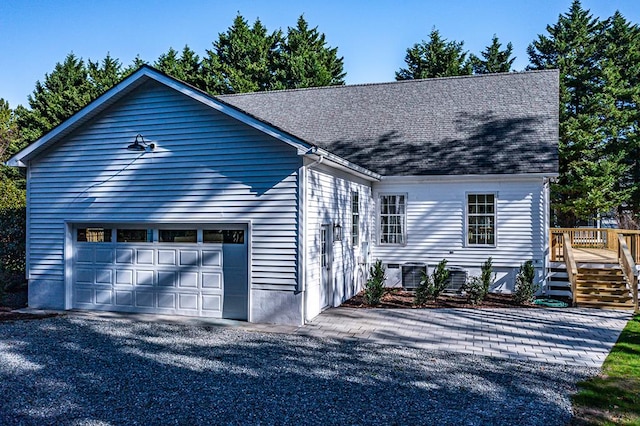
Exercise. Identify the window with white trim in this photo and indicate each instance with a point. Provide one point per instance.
(481, 219)
(392, 219)
(355, 219)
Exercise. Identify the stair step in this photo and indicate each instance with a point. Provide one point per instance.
(604, 305)
(601, 272)
(556, 292)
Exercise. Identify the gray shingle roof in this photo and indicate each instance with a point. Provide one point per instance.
(485, 124)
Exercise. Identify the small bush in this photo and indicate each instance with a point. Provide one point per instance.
(374, 287)
(525, 288)
(431, 286)
(486, 275)
(475, 289)
(12, 237)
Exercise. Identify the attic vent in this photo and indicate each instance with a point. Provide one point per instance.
(457, 278)
(412, 274)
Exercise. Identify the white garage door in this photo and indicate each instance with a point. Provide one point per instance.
(180, 271)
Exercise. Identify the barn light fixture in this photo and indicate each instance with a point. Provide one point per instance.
(337, 232)
(139, 145)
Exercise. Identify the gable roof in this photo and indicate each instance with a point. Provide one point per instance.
(483, 124)
(120, 90)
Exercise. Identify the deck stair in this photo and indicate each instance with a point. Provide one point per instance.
(602, 286)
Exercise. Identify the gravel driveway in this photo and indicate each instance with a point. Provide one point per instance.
(97, 371)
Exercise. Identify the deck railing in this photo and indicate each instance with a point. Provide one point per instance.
(599, 238)
(628, 268)
(625, 243)
(572, 268)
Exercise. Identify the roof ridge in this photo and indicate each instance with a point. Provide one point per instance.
(385, 83)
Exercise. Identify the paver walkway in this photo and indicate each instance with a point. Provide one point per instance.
(570, 336)
(574, 336)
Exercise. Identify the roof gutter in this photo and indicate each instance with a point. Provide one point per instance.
(320, 155)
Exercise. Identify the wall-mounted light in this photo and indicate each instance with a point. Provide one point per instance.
(139, 145)
(337, 232)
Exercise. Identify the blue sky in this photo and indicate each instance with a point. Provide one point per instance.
(372, 36)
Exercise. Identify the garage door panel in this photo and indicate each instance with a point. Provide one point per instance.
(85, 256)
(167, 278)
(188, 258)
(212, 258)
(104, 297)
(145, 299)
(124, 256)
(144, 278)
(212, 280)
(188, 279)
(144, 257)
(167, 300)
(124, 277)
(167, 257)
(188, 301)
(85, 276)
(158, 277)
(83, 295)
(212, 303)
(104, 256)
(104, 276)
(124, 298)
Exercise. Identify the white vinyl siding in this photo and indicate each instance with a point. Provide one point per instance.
(206, 168)
(436, 222)
(329, 203)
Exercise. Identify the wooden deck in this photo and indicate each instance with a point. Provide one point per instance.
(594, 255)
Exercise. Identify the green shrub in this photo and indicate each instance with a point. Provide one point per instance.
(12, 236)
(374, 287)
(486, 275)
(525, 288)
(475, 290)
(431, 286)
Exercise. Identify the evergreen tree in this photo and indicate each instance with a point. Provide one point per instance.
(620, 115)
(242, 59)
(64, 91)
(589, 171)
(104, 74)
(185, 66)
(435, 58)
(305, 60)
(493, 59)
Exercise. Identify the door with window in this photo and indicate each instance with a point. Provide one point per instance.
(326, 266)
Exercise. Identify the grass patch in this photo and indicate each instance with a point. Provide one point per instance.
(613, 397)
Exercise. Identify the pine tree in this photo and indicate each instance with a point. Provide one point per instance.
(185, 66)
(305, 60)
(435, 58)
(493, 59)
(64, 91)
(242, 59)
(589, 171)
(103, 75)
(620, 112)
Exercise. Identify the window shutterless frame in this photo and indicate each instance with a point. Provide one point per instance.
(481, 218)
(392, 219)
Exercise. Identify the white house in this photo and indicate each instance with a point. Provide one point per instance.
(269, 207)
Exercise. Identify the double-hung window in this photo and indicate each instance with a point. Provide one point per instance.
(481, 219)
(393, 219)
(355, 219)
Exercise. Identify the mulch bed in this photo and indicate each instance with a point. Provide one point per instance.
(403, 299)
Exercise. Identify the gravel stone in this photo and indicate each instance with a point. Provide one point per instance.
(101, 371)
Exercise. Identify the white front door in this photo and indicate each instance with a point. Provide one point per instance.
(326, 266)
